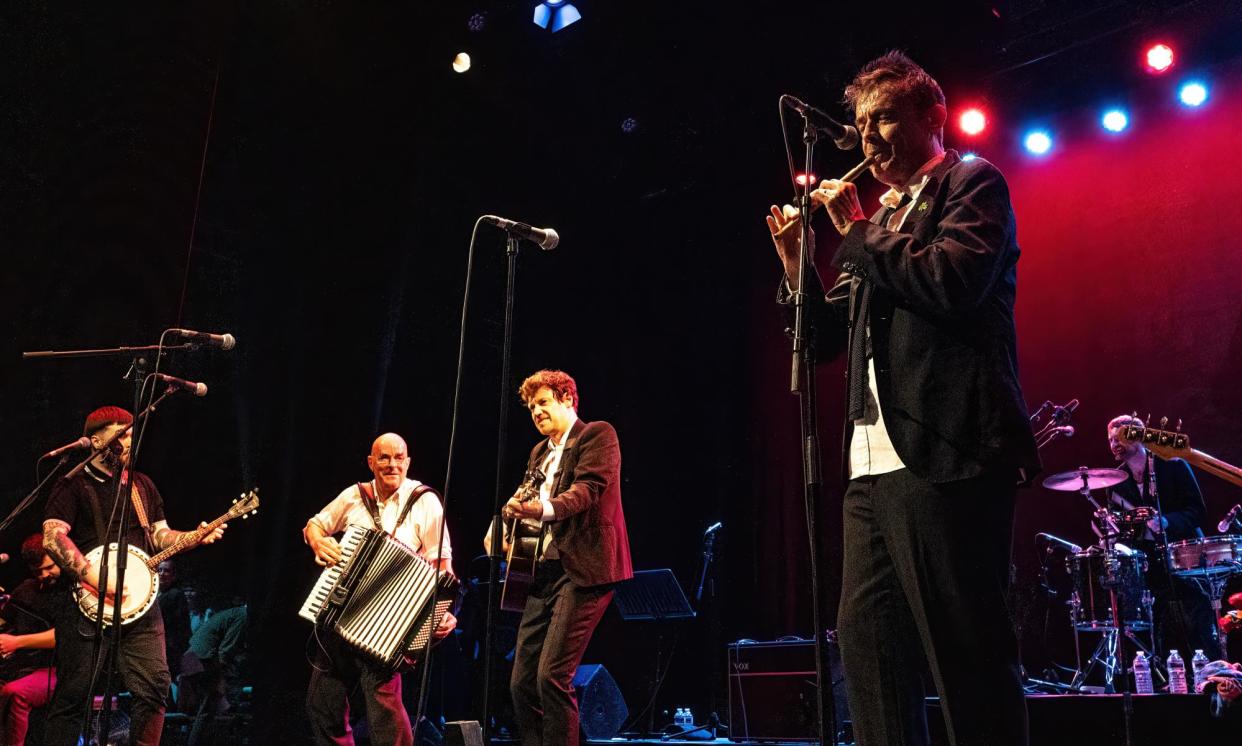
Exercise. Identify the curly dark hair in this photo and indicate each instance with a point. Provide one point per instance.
(561, 383)
(898, 72)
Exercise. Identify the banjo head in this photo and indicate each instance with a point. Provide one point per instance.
(142, 585)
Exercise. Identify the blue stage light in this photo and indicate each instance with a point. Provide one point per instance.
(969, 156)
(1038, 142)
(1115, 120)
(555, 14)
(1193, 93)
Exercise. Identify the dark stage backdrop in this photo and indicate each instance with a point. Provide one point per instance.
(345, 166)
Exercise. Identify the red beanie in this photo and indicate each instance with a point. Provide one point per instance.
(104, 416)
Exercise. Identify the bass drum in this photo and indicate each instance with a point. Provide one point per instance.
(1211, 557)
(141, 585)
(1088, 571)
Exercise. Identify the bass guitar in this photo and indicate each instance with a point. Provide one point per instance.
(522, 537)
(1169, 444)
(142, 584)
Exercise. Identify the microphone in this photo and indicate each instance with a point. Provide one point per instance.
(83, 442)
(713, 528)
(1058, 541)
(545, 237)
(1229, 518)
(843, 135)
(198, 389)
(1062, 414)
(223, 341)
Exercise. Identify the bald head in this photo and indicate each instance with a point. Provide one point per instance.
(389, 462)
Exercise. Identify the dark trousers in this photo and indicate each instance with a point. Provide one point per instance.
(556, 626)
(18, 697)
(336, 672)
(1183, 617)
(139, 661)
(924, 579)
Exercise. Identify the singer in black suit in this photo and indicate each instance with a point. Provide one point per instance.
(938, 436)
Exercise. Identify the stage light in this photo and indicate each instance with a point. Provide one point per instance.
(629, 125)
(1038, 142)
(1193, 93)
(461, 63)
(555, 14)
(802, 179)
(1159, 58)
(477, 22)
(969, 156)
(972, 121)
(1115, 120)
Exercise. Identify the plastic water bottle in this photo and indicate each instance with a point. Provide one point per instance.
(1177, 673)
(1197, 663)
(1142, 674)
(689, 718)
(679, 719)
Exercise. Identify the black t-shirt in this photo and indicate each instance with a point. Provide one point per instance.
(72, 502)
(30, 609)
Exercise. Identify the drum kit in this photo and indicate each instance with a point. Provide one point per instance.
(1109, 590)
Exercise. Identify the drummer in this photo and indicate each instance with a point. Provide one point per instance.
(1183, 615)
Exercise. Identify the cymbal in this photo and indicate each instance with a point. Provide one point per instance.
(1071, 481)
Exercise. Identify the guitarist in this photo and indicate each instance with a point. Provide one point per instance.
(1183, 614)
(77, 516)
(586, 552)
(411, 512)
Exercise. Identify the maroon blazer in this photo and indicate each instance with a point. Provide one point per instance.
(589, 525)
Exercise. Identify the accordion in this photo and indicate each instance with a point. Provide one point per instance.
(381, 598)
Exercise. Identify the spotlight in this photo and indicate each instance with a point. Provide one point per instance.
(461, 63)
(1115, 120)
(1193, 93)
(969, 156)
(802, 179)
(972, 121)
(1159, 58)
(555, 14)
(1038, 142)
(477, 22)
(629, 125)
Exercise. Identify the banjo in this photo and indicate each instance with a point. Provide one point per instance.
(142, 584)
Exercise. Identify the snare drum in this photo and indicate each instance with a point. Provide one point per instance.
(1088, 571)
(1211, 557)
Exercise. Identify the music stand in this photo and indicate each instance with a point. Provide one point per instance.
(652, 596)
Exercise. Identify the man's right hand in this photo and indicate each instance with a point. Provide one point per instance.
(327, 551)
(785, 225)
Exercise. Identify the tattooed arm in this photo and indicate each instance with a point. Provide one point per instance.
(64, 552)
(164, 537)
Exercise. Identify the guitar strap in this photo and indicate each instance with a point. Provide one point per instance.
(101, 531)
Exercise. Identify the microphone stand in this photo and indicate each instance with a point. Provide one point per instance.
(493, 553)
(802, 384)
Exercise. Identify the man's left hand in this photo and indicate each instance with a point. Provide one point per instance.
(840, 198)
(448, 623)
(215, 535)
(517, 509)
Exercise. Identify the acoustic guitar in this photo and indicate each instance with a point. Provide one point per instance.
(523, 551)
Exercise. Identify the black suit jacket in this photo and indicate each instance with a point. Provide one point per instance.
(1181, 502)
(942, 324)
(589, 524)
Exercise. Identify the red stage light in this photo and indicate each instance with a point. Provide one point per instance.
(1159, 58)
(972, 121)
(802, 179)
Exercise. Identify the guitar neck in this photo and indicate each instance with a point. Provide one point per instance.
(187, 540)
(1215, 466)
